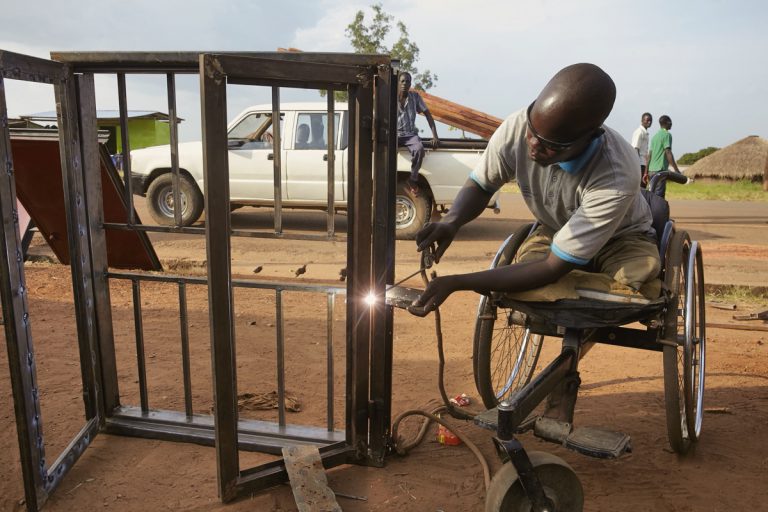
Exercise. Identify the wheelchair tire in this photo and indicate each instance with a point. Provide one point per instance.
(677, 389)
(505, 352)
(561, 485)
(695, 342)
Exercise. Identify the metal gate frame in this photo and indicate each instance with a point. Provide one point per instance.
(77, 121)
(371, 83)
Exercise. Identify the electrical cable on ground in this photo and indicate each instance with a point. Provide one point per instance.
(402, 447)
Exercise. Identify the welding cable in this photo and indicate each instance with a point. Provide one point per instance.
(402, 447)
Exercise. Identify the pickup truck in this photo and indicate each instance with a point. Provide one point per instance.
(305, 168)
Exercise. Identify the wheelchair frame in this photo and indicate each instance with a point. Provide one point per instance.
(674, 325)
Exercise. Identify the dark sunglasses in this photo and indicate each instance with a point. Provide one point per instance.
(551, 144)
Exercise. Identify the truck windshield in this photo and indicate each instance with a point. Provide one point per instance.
(254, 130)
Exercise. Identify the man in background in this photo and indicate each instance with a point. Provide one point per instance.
(409, 103)
(660, 156)
(640, 143)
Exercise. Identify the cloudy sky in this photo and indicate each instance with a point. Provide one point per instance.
(702, 63)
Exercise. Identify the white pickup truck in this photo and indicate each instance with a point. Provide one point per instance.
(304, 168)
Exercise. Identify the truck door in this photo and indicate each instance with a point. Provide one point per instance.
(307, 163)
(251, 158)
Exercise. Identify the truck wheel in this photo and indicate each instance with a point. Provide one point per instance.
(411, 211)
(160, 200)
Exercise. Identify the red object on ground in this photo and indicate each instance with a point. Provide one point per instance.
(446, 437)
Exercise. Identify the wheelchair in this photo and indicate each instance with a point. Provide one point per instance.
(508, 338)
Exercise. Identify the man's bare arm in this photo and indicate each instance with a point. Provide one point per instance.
(431, 122)
(671, 159)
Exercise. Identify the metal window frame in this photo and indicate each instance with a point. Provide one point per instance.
(79, 151)
(369, 79)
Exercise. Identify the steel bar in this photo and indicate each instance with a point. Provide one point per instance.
(645, 339)
(294, 74)
(236, 283)
(350, 396)
(71, 454)
(125, 146)
(280, 353)
(359, 280)
(331, 163)
(18, 335)
(383, 259)
(139, 333)
(174, 144)
(188, 62)
(185, 362)
(213, 93)
(331, 299)
(278, 158)
(106, 363)
(253, 435)
(30, 69)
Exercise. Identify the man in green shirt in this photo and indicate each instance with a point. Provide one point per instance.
(660, 155)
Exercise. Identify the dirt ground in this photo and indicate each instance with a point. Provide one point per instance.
(622, 389)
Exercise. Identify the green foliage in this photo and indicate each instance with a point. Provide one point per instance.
(371, 39)
(721, 190)
(692, 158)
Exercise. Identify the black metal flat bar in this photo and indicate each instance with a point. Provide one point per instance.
(188, 62)
(106, 363)
(277, 165)
(213, 93)
(71, 454)
(331, 163)
(237, 283)
(139, 333)
(18, 335)
(240, 67)
(359, 278)
(185, 362)
(126, 146)
(526, 400)
(351, 219)
(78, 236)
(16, 66)
(174, 144)
(331, 299)
(252, 435)
(645, 339)
(280, 354)
(383, 259)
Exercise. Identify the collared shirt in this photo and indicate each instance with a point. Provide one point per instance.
(640, 143)
(586, 209)
(406, 114)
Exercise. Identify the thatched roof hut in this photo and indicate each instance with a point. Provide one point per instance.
(745, 159)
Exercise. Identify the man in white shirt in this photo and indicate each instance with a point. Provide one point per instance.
(640, 143)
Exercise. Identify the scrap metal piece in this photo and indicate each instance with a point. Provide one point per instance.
(763, 315)
(308, 480)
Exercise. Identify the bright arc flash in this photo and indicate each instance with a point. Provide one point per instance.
(370, 299)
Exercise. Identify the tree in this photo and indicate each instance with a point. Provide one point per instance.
(692, 158)
(371, 39)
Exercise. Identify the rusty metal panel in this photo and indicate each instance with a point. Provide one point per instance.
(40, 189)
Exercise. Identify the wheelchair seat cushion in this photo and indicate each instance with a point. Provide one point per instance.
(587, 299)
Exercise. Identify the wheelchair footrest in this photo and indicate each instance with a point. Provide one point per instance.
(595, 442)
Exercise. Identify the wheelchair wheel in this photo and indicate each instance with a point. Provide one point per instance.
(505, 352)
(695, 342)
(561, 485)
(684, 326)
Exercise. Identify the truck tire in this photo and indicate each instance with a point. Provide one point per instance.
(160, 200)
(411, 211)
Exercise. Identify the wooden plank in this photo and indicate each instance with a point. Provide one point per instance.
(308, 480)
(460, 116)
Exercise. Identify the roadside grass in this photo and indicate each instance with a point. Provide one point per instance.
(737, 294)
(741, 190)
